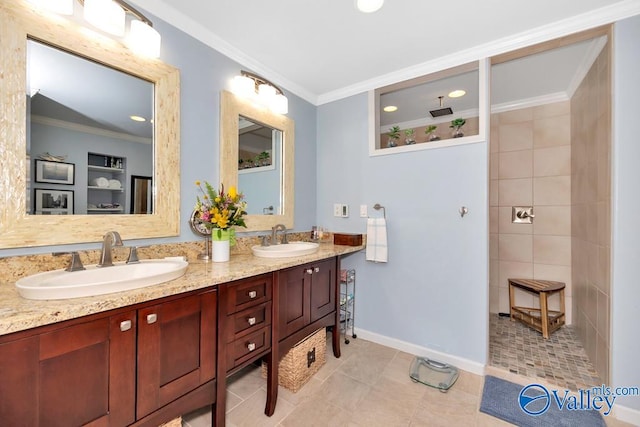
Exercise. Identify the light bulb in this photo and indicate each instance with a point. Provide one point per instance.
(243, 86)
(144, 39)
(280, 104)
(369, 6)
(106, 15)
(266, 93)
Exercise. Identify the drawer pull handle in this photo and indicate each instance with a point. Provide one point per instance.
(309, 271)
(316, 269)
(251, 346)
(252, 294)
(152, 318)
(251, 321)
(125, 325)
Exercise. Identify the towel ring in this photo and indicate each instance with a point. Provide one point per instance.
(378, 206)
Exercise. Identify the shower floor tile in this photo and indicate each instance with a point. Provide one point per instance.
(559, 360)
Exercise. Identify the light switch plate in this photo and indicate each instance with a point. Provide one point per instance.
(337, 209)
(363, 211)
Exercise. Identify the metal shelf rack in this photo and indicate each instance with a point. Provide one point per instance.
(347, 303)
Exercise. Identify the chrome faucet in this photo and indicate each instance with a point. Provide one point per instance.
(274, 234)
(111, 239)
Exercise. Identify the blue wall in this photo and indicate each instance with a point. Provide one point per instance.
(625, 304)
(433, 292)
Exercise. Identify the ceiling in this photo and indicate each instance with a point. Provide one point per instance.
(324, 50)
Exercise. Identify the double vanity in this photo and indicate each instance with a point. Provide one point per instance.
(149, 355)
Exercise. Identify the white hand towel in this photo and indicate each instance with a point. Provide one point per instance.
(114, 183)
(377, 250)
(100, 182)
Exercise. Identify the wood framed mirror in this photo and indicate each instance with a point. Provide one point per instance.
(19, 22)
(232, 110)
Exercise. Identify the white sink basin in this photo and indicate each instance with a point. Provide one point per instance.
(283, 251)
(61, 284)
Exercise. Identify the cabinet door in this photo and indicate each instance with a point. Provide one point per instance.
(76, 375)
(323, 289)
(294, 293)
(176, 349)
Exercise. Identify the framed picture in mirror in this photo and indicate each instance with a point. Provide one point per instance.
(55, 172)
(53, 202)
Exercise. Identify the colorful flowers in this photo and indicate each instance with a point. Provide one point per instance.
(217, 209)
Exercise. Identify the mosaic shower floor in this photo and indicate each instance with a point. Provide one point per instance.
(559, 360)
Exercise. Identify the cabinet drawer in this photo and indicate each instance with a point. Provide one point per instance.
(248, 321)
(248, 347)
(247, 293)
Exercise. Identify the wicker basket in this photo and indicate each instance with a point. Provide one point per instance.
(302, 361)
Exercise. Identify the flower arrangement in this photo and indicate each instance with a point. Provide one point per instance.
(220, 210)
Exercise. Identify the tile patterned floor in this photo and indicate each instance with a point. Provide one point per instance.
(559, 360)
(368, 386)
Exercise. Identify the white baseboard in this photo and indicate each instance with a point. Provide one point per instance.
(628, 415)
(458, 362)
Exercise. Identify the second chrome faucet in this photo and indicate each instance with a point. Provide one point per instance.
(111, 239)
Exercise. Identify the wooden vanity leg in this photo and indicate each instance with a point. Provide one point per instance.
(272, 382)
(335, 337)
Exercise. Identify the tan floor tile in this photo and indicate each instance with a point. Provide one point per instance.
(318, 412)
(343, 391)
(485, 420)
(246, 382)
(250, 413)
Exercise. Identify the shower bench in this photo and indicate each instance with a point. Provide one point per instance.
(541, 319)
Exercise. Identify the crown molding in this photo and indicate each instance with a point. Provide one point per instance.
(564, 27)
(535, 101)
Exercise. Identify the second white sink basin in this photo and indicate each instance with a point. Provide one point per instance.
(290, 249)
(61, 284)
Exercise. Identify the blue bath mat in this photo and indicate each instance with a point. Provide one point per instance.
(502, 399)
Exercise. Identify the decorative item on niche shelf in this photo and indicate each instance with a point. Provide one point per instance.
(431, 136)
(409, 133)
(456, 125)
(394, 134)
(219, 212)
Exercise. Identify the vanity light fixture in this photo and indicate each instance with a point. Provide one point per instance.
(137, 118)
(110, 16)
(390, 109)
(457, 93)
(260, 90)
(369, 6)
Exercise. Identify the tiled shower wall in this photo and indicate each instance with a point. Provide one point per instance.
(530, 166)
(591, 211)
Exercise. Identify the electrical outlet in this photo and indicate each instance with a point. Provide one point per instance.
(345, 211)
(337, 209)
(363, 211)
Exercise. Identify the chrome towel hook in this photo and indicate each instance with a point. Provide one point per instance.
(463, 211)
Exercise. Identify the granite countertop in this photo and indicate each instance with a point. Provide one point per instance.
(17, 313)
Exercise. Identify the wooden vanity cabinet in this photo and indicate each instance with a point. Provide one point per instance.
(307, 296)
(143, 365)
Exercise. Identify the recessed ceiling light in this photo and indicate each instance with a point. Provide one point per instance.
(390, 108)
(457, 93)
(137, 119)
(369, 6)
